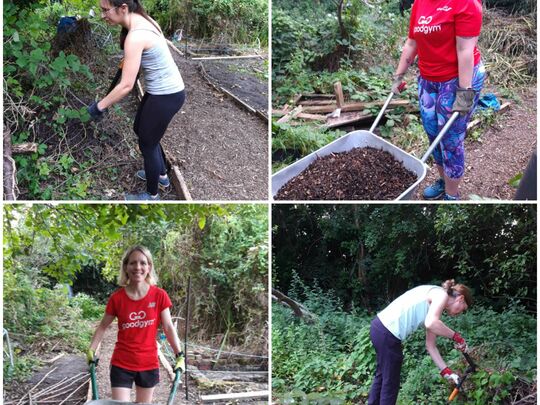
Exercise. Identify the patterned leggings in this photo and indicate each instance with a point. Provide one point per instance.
(436, 100)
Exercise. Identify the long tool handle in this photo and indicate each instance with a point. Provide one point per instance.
(383, 109)
(172, 394)
(453, 395)
(95, 394)
(434, 144)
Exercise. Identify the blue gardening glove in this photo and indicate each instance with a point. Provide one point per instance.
(180, 363)
(95, 112)
(464, 100)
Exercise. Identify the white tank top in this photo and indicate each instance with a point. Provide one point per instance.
(407, 312)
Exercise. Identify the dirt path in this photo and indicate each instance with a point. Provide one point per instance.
(503, 151)
(221, 149)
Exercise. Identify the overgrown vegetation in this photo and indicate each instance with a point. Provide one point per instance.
(224, 249)
(345, 263)
(52, 71)
(333, 361)
(223, 21)
(316, 44)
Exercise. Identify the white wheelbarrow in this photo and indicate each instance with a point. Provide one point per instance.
(362, 139)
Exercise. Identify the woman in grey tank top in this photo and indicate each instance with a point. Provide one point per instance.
(421, 305)
(144, 47)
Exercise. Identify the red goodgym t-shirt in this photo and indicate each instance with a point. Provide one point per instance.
(434, 26)
(138, 321)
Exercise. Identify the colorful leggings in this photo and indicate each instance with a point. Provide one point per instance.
(436, 100)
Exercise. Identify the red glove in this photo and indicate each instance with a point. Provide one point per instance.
(460, 343)
(450, 375)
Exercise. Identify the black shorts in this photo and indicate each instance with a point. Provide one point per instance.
(122, 378)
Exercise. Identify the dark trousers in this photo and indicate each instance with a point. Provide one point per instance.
(153, 117)
(385, 387)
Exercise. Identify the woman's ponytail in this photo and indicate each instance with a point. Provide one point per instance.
(453, 289)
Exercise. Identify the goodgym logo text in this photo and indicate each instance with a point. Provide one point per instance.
(424, 27)
(138, 321)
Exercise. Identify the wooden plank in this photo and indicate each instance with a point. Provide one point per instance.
(229, 57)
(338, 91)
(179, 183)
(297, 99)
(314, 117)
(239, 395)
(318, 95)
(238, 101)
(173, 46)
(291, 115)
(317, 102)
(347, 118)
(476, 122)
(348, 107)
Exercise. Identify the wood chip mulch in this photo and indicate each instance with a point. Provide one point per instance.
(359, 174)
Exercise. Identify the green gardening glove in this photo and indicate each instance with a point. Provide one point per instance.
(91, 356)
(180, 363)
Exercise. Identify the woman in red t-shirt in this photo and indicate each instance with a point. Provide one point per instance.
(444, 34)
(140, 307)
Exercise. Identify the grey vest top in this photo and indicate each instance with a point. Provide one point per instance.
(161, 75)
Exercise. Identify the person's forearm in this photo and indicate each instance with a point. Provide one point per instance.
(172, 338)
(407, 57)
(436, 357)
(98, 336)
(465, 68)
(439, 328)
(116, 94)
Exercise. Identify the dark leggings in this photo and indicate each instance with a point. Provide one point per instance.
(385, 387)
(153, 116)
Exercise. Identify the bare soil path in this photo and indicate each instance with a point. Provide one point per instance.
(503, 151)
(220, 148)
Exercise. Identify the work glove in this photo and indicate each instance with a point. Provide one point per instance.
(460, 343)
(464, 100)
(450, 375)
(91, 356)
(398, 85)
(95, 112)
(180, 363)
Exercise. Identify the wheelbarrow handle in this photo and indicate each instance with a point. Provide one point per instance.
(95, 393)
(176, 382)
(437, 140)
(383, 109)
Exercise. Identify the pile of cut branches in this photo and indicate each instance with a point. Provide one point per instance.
(508, 45)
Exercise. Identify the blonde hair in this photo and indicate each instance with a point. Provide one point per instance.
(151, 277)
(453, 289)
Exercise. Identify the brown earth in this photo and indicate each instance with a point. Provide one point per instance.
(502, 152)
(221, 149)
(359, 174)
